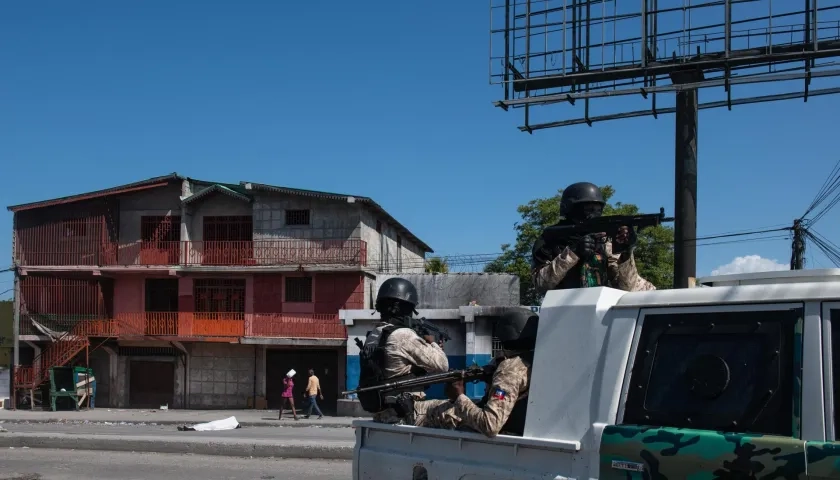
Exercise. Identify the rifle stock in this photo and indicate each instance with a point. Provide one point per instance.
(423, 327)
(471, 374)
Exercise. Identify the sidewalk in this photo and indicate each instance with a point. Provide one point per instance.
(246, 418)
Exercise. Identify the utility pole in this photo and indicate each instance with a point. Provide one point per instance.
(797, 256)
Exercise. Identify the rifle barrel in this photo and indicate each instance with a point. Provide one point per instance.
(466, 375)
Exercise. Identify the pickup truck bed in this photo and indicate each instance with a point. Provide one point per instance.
(396, 452)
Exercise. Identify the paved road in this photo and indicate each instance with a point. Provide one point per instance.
(253, 433)
(39, 464)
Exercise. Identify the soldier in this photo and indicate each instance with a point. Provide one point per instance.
(393, 351)
(503, 408)
(592, 261)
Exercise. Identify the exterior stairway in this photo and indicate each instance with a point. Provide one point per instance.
(64, 349)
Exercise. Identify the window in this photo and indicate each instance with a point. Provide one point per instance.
(730, 371)
(299, 289)
(228, 228)
(297, 217)
(496, 347)
(217, 295)
(834, 315)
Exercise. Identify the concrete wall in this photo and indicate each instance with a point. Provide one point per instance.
(469, 327)
(453, 290)
(383, 254)
(215, 204)
(328, 219)
(221, 375)
(161, 201)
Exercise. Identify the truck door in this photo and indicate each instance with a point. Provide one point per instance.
(824, 457)
(710, 394)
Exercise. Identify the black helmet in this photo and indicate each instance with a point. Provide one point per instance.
(517, 329)
(397, 289)
(581, 192)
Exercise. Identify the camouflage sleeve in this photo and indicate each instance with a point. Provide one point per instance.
(548, 275)
(623, 274)
(428, 356)
(508, 382)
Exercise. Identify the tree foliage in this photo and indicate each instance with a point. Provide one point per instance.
(436, 265)
(654, 250)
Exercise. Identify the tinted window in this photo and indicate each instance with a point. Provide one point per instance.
(834, 315)
(729, 371)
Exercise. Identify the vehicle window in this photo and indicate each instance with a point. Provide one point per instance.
(729, 371)
(834, 316)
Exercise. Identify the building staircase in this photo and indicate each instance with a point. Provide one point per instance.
(59, 353)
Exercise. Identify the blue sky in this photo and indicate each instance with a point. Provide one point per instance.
(385, 99)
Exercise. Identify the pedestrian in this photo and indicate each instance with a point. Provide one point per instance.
(288, 397)
(313, 389)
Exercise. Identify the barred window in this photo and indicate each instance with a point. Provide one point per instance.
(297, 217)
(219, 295)
(299, 289)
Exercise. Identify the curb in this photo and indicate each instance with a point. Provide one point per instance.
(276, 423)
(233, 447)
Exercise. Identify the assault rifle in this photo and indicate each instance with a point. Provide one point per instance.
(471, 374)
(568, 230)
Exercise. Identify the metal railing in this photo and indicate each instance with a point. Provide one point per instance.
(346, 252)
(222, 325)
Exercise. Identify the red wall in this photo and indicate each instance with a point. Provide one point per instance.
(337, 291)
(332, 292)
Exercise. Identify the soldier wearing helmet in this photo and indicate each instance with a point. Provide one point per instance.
(591, 261)
(394, 351)
(503, 408)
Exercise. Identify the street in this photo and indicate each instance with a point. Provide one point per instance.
(42, 464)
(162, 431)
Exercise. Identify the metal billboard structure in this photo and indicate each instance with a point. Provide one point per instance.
(571, 62)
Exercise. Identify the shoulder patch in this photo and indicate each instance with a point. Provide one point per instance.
(499, 394)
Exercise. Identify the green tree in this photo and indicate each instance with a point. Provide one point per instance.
(436, 265)
(654, 250)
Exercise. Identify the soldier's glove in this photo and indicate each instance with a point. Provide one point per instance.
(625, 240)
(487, 372)
(404, 404)
(585, 247)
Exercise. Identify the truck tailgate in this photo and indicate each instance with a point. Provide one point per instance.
(405, 452)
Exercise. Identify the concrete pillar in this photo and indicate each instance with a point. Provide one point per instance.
(182, 376)
(113, 376)
(259, 368)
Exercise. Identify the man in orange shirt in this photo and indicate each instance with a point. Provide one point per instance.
(313, 389)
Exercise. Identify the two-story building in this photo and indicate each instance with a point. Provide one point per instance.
(197, 294)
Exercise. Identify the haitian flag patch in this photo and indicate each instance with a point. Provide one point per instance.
(499, 394)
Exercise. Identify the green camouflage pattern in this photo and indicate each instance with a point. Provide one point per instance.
(823, 460)
(652, 453)
(797, 379)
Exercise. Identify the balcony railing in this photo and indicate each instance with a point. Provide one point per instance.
(287, 252)
(210, 324)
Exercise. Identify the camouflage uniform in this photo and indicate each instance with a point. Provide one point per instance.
(435, 414)
(510, 382)
(622, 275)
(405, 349)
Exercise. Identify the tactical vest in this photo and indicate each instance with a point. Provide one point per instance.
(372, 370)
